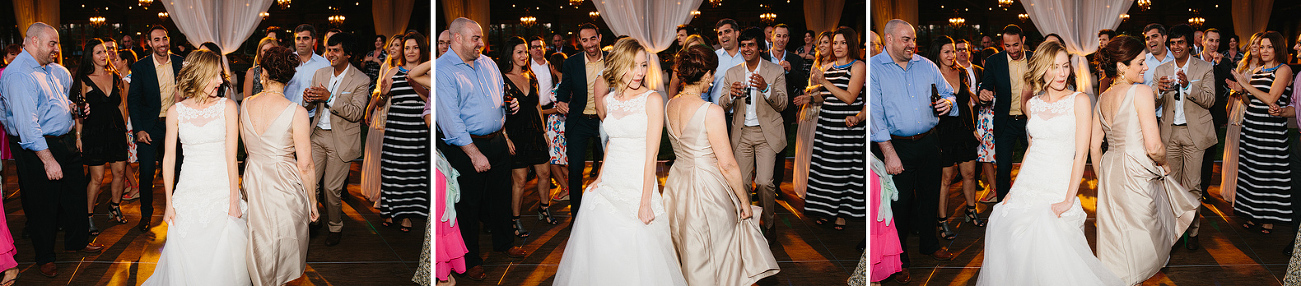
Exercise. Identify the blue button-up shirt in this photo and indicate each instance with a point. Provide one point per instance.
(1152, 63)
(725, 62)
(469, 98)
(35, 101)
(303, 79)
(901, 98)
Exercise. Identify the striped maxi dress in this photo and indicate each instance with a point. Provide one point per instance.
(405, 157)
(837, 174)
(1264, 176)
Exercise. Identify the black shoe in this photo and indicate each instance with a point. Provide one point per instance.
(1191, 243)
(143, 226)
(332, 239)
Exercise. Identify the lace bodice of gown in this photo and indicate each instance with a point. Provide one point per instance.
(203, 186)
(1046, 170)
(625, 122)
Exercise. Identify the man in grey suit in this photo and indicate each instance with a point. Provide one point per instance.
(757, 98)
(1186, 126)
(338, 95)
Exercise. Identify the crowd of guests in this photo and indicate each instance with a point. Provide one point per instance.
(298, 116)
(541, 107)
(1178, 87)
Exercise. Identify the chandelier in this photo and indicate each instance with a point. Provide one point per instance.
(264, 15)
(145, 3)
(1144, 4)
(716, 3)
(163, 16)
(1023, 17)
(1124, 17)
(1004, 4)
(695, 14)
(96, 20)
(1196, 21)
(957, 21)
(575, 2)
(284, 4)
(768, 17)
(337, 20)
(528, 20)
(594, 15)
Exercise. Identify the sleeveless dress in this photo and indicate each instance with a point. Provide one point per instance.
(103, 133)
(714, 245)
(960, 143)
(837, 180)
(1025, 242)
(525, 126)
(370, 172)
(404, 163)
(257, 84)
(205, 245)
(278, 206)
(609, 245)
(556, 132)
(1141, 213)
(1264, 193)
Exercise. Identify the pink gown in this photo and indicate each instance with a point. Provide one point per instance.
(885, 239)
(450, 249)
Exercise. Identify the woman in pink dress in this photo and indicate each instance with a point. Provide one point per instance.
(885, 248)
(7, 249)
(450, 247)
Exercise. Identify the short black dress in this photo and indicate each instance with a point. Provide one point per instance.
(103, 132)
(958, 133)
(525, 128)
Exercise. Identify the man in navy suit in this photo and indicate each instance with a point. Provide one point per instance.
(152, 92)
(575, 98)
(1003, 84)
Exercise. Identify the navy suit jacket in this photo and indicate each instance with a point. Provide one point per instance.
(997, 80)
(144, 99)
(796, 80)
(573, 87)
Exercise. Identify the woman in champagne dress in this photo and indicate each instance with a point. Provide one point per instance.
(710, 217)
(279, 203)
(1141, 214)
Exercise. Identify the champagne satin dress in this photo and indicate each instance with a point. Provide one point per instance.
(278, 206)
(1141, 213)
(713, 245)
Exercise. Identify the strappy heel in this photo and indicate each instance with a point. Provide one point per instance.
(519, 228)
(973, 217)
(115, 213)
(544, 214)
(94, 231)
(946, 231)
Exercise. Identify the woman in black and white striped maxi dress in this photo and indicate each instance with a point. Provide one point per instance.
(837, 170)
(1264, 180)
(404, 161)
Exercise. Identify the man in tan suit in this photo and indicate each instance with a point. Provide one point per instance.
(338, 95)
(758, 94)
(1186, 125)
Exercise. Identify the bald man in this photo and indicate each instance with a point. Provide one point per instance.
(444, 41)
(38, 115)
(471, 112)
(876, 43)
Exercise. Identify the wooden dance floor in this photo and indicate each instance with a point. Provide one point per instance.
(1229, 254)
(368, 254)
(808, 254)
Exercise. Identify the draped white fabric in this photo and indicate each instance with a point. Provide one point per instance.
(228, 23)
(391, 16)
(1250, 16)
(27, 12)
(653, 23)
(1078, 23)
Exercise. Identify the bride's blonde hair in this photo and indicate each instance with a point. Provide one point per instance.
(622, 58)
(1040, 63)
(199, 67)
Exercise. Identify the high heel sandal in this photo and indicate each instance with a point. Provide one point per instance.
(386, 223)
(946, 231)
(94, 231)
(544, 214)
(1249, 225)
(115, 213)
(973, 216)
(821, 221)
(519, 228)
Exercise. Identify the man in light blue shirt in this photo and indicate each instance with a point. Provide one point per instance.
(1157, 53)
(902, 124)
(305, 48)
(728, 57)
(37, 114)
(471, 113)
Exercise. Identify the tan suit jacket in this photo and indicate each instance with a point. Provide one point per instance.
(346, 114)
(1200, 98)
(769, 110)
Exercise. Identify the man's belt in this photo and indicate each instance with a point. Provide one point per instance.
(591, 116)
(488, 136)
(914, 137)
(1018, 117)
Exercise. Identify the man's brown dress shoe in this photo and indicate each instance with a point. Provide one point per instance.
(91, 248)
(942, 254)
(49, 270)
(476, 273)
(903, 277)
(515, 252)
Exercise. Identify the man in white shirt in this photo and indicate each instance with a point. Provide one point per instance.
(542, 71)
(305, 48)
(338, 95)
(757, 96)
(1188, 129)
(728, 56)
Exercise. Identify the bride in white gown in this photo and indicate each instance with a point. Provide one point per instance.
(206, 234)
(1036, 235)
(622, 237)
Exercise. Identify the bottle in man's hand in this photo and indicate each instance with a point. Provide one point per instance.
(935, 98)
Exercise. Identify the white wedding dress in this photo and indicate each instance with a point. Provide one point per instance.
(1025, 243)
(609, 245)
(205, 245)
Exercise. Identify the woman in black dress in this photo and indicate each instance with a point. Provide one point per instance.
(404, 162)
(524, 131)
(958, 145)
(101, 126)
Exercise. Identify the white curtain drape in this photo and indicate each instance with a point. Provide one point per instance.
(1250, 16)
(653, 23)
(27, 12)
(228, 23)
(882, 11)
(1078, 23)
(391, 16)
(476, 10)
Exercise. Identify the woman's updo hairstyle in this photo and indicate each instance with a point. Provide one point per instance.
(1122, 49)
(694, 62)
(279, 63)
